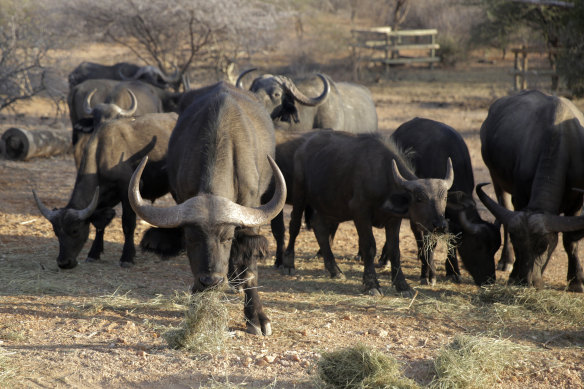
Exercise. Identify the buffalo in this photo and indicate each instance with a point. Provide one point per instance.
(123, 71)
(108, 160)
(361, 177)
(532, 144)
(343, 106)
(218, 172)
(95, 100)
(430, 144)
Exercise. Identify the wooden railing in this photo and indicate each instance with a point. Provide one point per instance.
(382, 45)
(521, 69)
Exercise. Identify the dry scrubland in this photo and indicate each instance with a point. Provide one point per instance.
(102, 326)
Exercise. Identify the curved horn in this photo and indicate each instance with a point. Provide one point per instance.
(398, 178)
(301, 97)
(241, 75)
(83, 214)
(449, 174)
(87, 102)
(46, 212)
(133, 107)
(467, 225)
(556, 223)
(207, 208)
(501, 213)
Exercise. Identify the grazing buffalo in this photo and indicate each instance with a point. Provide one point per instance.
(429, 144)
(218, 172)
(342, 106)
(533, 146)
(95, 100)
(109, 158)
(344, 176)
(124, 71)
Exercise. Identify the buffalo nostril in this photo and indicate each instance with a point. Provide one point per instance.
(209, 281)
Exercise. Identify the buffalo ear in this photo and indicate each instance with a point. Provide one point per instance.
(397, 204)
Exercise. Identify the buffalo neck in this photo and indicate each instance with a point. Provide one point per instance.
(87, 179)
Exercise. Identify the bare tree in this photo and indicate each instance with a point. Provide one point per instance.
(178, 34)
(23, 46)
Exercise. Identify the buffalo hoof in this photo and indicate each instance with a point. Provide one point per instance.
(455, 278)
(287, 271)
(376, 292)
(338, 276)
(425, 281)
(266, 329)
(410, 293)
(89, 259)
(126, 264)
(576, 286)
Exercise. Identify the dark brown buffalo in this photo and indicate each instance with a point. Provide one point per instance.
(533, 145)
(108, 160)
(218, 172)
(123, 71)
(344, 176)
(429, 145)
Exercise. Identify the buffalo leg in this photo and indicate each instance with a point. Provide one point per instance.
(100, 220)
(279, 233)
(426, 255)
(244, 257)
(322, 232)
(506, 260)
(451, 265)
(575, 273)
(367, 250)
(298, 207)
(128, 227)
(96, 249)
(392, 241)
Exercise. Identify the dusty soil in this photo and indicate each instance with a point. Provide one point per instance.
(99, 325)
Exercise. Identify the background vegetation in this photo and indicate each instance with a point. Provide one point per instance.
(190, 36)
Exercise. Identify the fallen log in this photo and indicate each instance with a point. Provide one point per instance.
(21, 145)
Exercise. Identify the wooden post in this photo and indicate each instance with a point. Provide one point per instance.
(21, 144)
(516, 70)
(432, 51)
(524, 67)
(387, 42)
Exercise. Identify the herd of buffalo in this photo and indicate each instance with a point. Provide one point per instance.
(231, 157)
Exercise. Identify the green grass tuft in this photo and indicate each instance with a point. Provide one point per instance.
(360, 367)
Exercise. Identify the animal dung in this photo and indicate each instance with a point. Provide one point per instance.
(19, 144)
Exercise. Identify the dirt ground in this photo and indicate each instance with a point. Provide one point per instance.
(99, 325)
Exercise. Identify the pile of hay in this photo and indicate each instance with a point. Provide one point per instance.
(473, 362)
(204, 328)
(360, 367)
(559, 304)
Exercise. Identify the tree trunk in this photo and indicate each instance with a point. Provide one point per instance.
(20, 144)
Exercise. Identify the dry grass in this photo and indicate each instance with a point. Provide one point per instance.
(558, 305)
(204, 328)
(360, 367)
(6, 369)
(473, 362)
